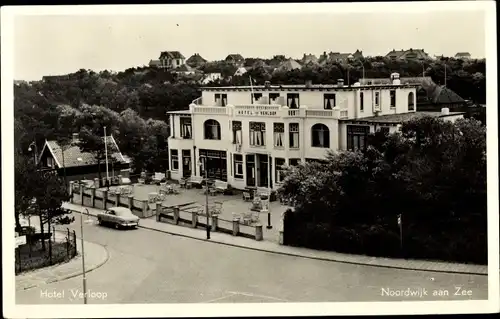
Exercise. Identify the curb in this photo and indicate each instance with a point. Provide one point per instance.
(74, 274)
(311, 257)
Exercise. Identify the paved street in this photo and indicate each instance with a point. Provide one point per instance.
(152, 267)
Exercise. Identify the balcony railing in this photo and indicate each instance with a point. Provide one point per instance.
(210, 110)
(319, 113)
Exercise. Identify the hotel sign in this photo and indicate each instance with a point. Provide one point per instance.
(256, 113)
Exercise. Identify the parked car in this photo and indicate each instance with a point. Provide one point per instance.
(119, 217)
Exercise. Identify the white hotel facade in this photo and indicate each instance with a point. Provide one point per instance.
(247, 134)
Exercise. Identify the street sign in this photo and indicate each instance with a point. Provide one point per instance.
(21, 240)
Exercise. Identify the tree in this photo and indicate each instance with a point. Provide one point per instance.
(24, 173)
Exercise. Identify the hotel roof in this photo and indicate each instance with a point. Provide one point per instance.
(304, 87)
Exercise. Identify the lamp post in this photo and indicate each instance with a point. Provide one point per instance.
(106, 151)
(83, 254)
(35, 153)
(203, 164)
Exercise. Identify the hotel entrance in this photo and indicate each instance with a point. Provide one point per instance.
(258, 170)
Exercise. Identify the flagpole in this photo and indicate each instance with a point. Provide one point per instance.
(106, 151)
(251, 89)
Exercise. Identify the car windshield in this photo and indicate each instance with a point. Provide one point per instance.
(120, 211)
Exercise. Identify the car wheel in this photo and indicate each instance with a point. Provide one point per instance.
(117, 226)
(99, 221)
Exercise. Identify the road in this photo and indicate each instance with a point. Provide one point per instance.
(152, 267)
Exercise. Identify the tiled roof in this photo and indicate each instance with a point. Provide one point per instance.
(236, 57)
(184, 68)
(171, 55)
(309, 58)
(444, 95)
(259, 63)
(289, 65)
(196, 58)
(400, 118)
(395, 53)
(462, 54)
(154, 63)
(73, 153)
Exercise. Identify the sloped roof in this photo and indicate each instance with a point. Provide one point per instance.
(240, 70)
(171, 55)
(443, 95)
(196, 58)
(395, 53)
(462, 54)
(289, 65)
(309, 58)
(154, 63)
(73, 153)
(235, 56)
(184, 68)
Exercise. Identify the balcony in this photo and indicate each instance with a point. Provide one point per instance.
(270, 110)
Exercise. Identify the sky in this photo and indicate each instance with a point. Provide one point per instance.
(60, 44)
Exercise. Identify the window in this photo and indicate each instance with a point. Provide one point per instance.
(294, 161)
(257, 134)
(50, 162)
(238, 165)
(377, 98)
(320, 136)
(221, 99)
(361, 102)
(294, 135)
(329, 101)
(212, 130)
(178, 62)
(411, 101)
(273, 98)
(393, 98)
(280, 169)
(292, 100)
(356, 137)
(279, 131)
(174, 155)
(186, 128)
(255, 97)
(237, 132)
(215, 162)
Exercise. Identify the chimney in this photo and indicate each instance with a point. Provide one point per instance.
(308, 83)
(75, 137)
(340, 82)
(445, 111)
(267, 84)
(395, 79)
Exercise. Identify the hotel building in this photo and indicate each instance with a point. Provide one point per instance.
(247, 134)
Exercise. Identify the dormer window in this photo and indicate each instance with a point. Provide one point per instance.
(292, 100)
(273, 98)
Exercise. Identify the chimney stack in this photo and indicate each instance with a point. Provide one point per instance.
(75, 137)
(308, 83)
(445, 111)
(340, 82)
(267, 84)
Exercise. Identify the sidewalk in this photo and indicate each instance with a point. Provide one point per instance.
(95, 256)
(272, 247)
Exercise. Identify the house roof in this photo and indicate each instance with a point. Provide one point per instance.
(289, 65)
(395, 53)
(462, 54)
(240, 70)
(259, 63)
(184, 68)
(154, 63)
(196, 58)
(400, 118)
(171, 55)
(235, 56)
(309, 58)
(73, 153)
(443, 95)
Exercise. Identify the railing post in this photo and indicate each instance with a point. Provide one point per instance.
(105, 198)
(119, 179)
(215, 222)
(281, 237)
(145, 208)
(176, 215)
(236, 226)
(117, 198)
(159, 210)
(130, 201)
(92, 195)
(258, 232)
(194, 219)
(81, 195)
(71, 183)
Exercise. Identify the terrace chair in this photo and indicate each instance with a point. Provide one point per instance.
(247, 218)
(247, 197)
(217, 208)
(255, 218)
(212, 191)
(182, 183)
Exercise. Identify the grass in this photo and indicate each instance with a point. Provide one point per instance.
(35, 258)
